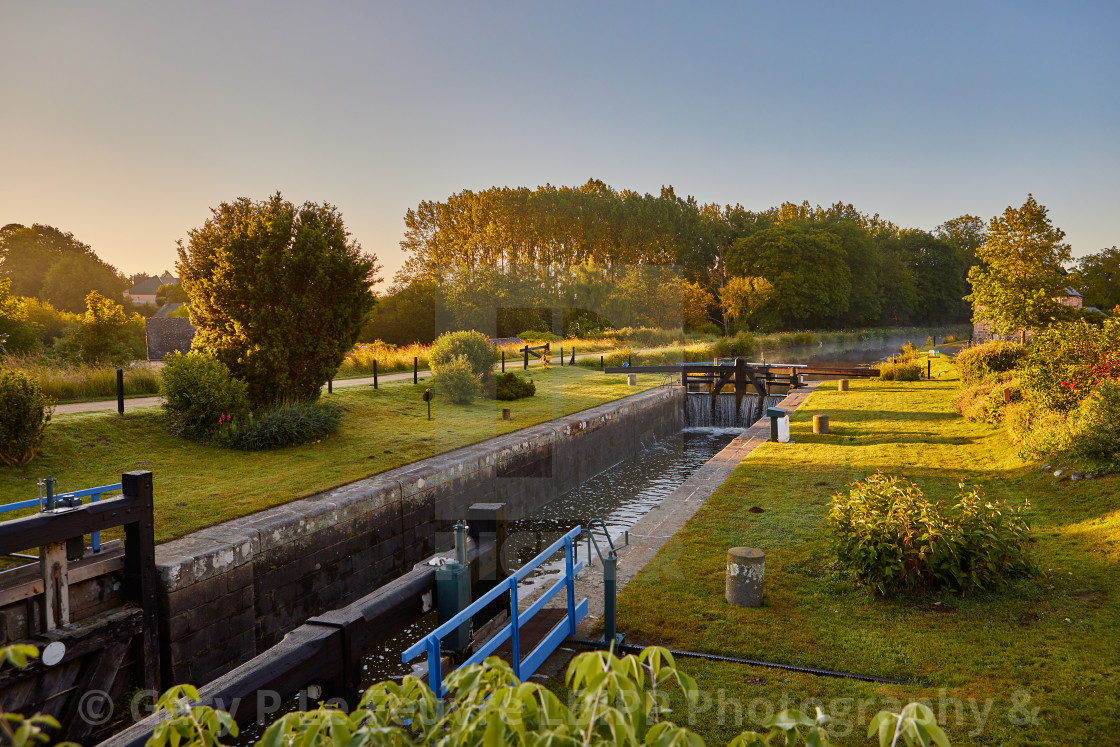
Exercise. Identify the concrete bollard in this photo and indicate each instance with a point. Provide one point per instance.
(746, 568)
(632, 379)
(843, 385)
(505, 413)
(820, 424)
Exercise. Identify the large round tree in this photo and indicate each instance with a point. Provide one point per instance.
(277, 292)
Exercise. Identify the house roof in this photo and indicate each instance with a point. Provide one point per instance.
(1072, 292)
(148, 285)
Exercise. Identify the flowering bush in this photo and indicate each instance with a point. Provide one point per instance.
(1065, 363)
(199, 394)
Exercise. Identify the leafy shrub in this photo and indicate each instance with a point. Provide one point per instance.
(106, 334)
(983, 362)
(889, 536)
(984, 402)
(285, 425)
(475, 347)
(197, 391)
(614, 701)
(948, 338)
(510, 386)
(457, 380)
(742, 345)
(25, 413)
(1096, 436)
(1089, 436)
(900, 371)
(1066, 362)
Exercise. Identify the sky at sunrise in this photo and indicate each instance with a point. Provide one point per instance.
(124, 122)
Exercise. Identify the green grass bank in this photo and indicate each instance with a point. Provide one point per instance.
(1034, 663)
(197, 485)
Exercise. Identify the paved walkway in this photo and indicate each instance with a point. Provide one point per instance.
(133, 403)
(658, 527)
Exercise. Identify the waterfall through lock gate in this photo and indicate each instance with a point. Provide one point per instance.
(698, 410)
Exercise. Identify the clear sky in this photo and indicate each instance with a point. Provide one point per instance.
(124, 122)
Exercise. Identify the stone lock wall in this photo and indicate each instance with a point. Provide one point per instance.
(233, 590)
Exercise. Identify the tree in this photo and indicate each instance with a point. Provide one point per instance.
(73, 276)
(805, 266)
(277, 292)
(106, 334)
(28, 254)
(17, 333)
(172, 293)
(1098, 278)
(1021, 275)
(967, 235)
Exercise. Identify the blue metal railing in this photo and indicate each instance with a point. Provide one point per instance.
(68, 500)
(522, 668)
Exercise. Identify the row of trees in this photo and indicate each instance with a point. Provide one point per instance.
(593, 247)
(52, 266)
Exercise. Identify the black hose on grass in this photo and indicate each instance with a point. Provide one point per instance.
(752, 662)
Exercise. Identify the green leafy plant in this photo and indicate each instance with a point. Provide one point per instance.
(457, 380)
(197, 392)
(510, 386)
(186, 722)
(285, 425)
(475, 347)
(25, 413)
(889, 536)
(984, 362)
(613, 701)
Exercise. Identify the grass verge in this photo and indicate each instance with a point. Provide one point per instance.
(1043, 650)
(198, 485)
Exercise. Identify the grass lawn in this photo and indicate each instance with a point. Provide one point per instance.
(1054, 639)
(198, 485)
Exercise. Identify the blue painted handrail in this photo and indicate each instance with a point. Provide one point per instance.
(522, 668)
(93, 493)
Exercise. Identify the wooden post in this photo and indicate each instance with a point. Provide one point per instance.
(415, 370)
(120, 392)
(56, 585)
(503, 361)
(140, 572)
(740, 385)
(375, 374)
(330, 386)
(561, 356)
(526, 357)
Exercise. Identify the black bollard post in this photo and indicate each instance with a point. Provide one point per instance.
(629, 359)
(415, 370)
(572, 362)
(120, 391)
(375, 374)
(929, 369)
(561, 356)
(330, 386)
(526, 357)
(503, 361)
(601, 364)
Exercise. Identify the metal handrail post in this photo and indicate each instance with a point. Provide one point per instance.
(515, 637)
